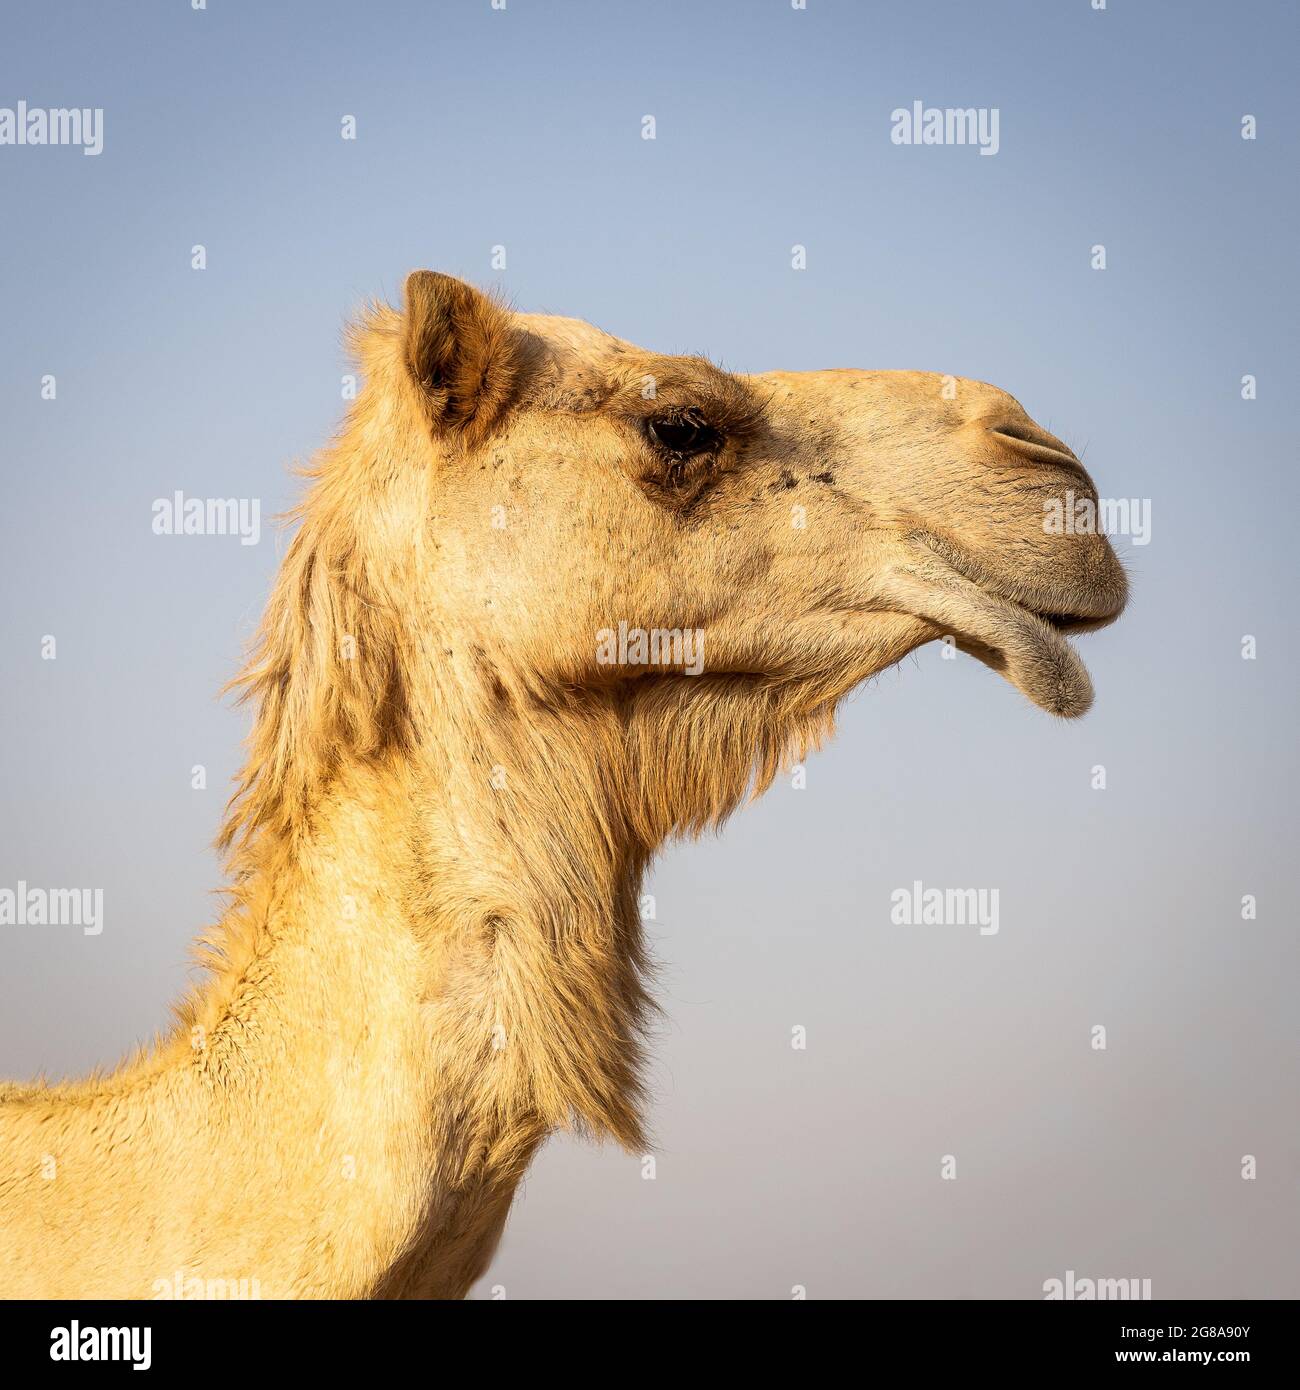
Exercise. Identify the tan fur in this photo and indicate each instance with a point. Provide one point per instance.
(432, 956)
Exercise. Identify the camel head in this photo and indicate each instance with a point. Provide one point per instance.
(548, 515)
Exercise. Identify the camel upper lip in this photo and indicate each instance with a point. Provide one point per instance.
(1076, 611)
(1073, 614)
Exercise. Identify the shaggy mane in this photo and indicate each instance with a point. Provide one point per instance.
(324, 672)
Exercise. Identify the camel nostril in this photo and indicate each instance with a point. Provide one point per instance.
(1034, 443)
(1015, 430)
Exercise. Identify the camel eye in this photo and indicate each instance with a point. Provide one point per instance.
(682, 435)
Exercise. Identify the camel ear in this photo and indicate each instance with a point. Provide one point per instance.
(463, 354)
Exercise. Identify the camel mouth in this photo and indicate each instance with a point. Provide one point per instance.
(1076, 624)
(1016, 631)
(1063, 622)
(1095, 601)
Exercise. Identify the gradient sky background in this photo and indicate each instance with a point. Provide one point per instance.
(775, 1167)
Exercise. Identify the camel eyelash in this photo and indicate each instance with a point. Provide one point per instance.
(683, 435)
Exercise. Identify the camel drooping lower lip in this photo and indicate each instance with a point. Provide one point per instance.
(1020, 644)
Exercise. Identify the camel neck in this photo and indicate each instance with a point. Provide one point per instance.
(416, 990)
(460, 933)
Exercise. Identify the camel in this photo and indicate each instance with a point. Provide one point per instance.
(465, 752)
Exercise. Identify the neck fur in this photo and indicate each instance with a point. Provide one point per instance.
(410, 991)
(448, 958)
